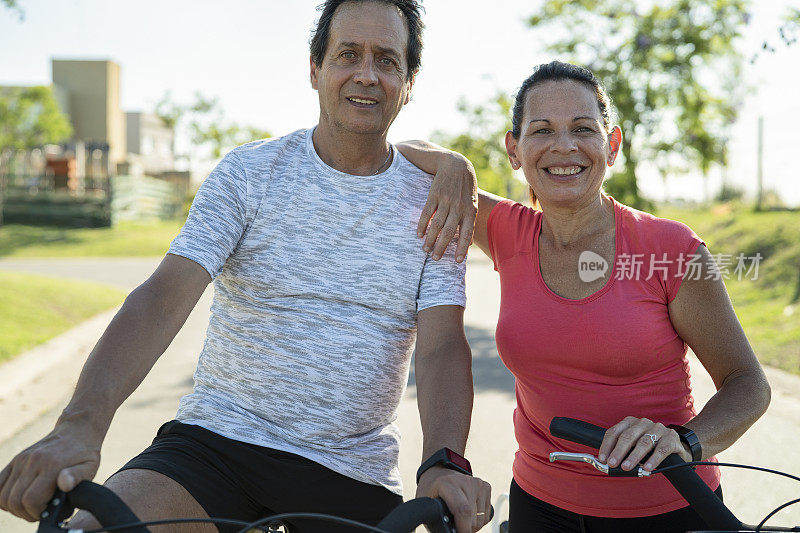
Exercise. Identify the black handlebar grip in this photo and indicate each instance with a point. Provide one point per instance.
(618, 472)
(578, 431)
(406, 517)
(105, 506)
(685, 480)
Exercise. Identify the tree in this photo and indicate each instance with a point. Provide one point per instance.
(483, 144)
(203, 124)
(30, 117)
(13, 5)
(672, 69)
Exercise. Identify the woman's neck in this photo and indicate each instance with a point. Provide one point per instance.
(566, 226)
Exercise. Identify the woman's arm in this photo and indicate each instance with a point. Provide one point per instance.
(452, 199)
(703, 316)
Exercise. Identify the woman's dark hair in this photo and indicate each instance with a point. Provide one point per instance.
(555, 71)
(411, 10)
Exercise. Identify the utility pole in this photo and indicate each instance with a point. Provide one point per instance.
(760, 170)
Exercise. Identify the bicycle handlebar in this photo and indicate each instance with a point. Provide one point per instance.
(110, 511)
(413, 513)
(685, 480)
(104, 505)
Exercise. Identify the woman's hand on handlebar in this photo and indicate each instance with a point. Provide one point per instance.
(64, 458)
(629, 442)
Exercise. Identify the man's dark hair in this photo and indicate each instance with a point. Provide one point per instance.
(557, 70)
(410, 9)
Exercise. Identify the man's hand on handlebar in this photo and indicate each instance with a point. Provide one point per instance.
(629, 442)
(64, 458)
(468, 498)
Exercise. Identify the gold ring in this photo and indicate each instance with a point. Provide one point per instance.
(481, 514)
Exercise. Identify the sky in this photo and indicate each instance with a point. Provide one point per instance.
(253, 56)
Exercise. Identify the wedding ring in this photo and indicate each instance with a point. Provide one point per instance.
(653, 438)
(481, 514)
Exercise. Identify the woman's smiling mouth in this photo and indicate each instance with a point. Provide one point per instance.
(565, 173)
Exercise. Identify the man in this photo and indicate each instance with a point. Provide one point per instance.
(320, 282)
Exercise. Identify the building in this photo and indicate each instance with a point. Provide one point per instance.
(89, 93)
(150, 142)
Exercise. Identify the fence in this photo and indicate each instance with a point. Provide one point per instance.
(74, 186)
(96, 203)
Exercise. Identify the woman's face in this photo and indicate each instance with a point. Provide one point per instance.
(563, 148)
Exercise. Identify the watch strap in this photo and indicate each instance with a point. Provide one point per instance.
(447, 458)
(689, 438)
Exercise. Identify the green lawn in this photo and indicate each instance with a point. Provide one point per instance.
(765, 305)
(37, 308)
(128, 239)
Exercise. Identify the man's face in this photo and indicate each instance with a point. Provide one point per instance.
(362, 82)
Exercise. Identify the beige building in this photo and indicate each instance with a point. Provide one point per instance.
(150, 142)
(89, 92)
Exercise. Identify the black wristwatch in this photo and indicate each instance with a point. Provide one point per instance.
(448, 459)
(689, 438)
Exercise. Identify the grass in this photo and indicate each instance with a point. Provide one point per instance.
(37, 308)
(128, 239)
(764, 305)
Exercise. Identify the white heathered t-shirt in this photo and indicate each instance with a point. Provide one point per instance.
(318, 278)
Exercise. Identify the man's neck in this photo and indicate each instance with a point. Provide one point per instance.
(351, 153)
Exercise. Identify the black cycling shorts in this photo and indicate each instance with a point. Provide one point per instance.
(528, 514)
(232, 479)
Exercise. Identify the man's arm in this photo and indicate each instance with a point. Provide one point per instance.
(443, 369)
(137, 336)
(452, 200)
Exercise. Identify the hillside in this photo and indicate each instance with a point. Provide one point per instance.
(769, 305)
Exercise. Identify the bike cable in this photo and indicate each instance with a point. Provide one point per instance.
(246, 526)
(746, 467)
(732, 465)
(315, 516)
(223, 521)
(774, 512)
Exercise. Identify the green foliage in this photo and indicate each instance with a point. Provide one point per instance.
(767, 306)
(30, 117)
(729, 193)
(203, 122)
(13, 5)
(671, 68)
(483, 144)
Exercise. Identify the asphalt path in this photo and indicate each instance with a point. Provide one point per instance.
(772, 441)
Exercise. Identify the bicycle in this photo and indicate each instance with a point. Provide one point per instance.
(678, 472)
(114, 515)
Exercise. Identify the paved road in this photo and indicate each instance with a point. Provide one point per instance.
(771, 442)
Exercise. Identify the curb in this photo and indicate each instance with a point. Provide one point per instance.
(37, 380)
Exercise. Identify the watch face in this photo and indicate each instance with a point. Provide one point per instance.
(456, 459)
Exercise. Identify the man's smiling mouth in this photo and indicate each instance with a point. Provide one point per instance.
(362, 101)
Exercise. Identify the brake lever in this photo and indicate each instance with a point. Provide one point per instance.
(57, 510)
(447, 524)
(595, 462)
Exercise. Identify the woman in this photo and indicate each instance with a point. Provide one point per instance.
(606, 345)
